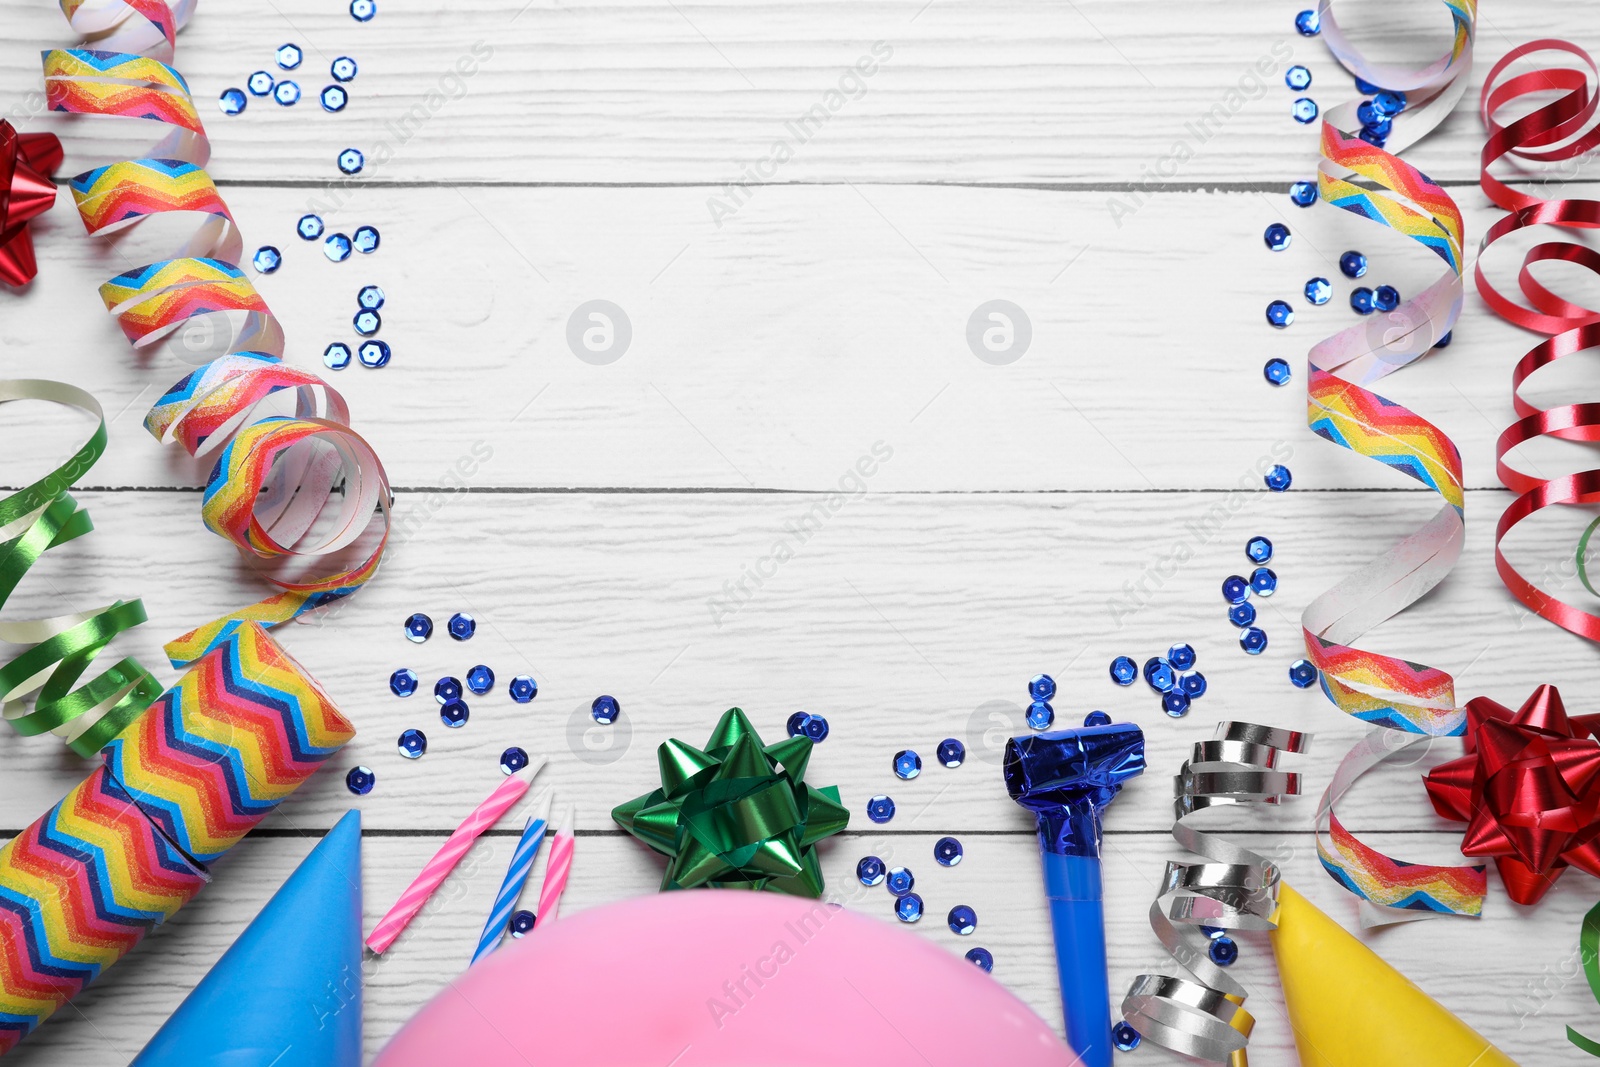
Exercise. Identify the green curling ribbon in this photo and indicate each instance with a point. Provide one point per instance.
(1589, 952)
(36, 519)
(737, 814)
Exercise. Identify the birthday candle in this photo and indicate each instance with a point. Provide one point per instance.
(450, 853)
(516, 877)
(555, 872)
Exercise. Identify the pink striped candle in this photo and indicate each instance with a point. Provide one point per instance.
(483, 817)
(555, 873)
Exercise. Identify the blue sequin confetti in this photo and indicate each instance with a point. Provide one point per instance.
(908, 909)
(1258, 549)
(1223, 951)
(1280, 314)
(1364, 86)
(374, 354)
(289, 56)
(1159, 675)
(367, 322)
(1253, 639)
(1125, 1037)
(605, 710)
(454, 714)
(1308, 22)
(523, 688)
(1175, 703)
(232, 101)
(1297, 77)
(1318, 291)
(1444, 342)
(333, 98)
(952, 753)
(370, 296)
(1303, 673)
(1097, 718)
(1386, 298)
(901, 880)
(907, 764)
(1042, 687)
(1276, 371)
(1181, 657)
(1263, 581)
(413, 743)
(360, 780)
(1242, 614)
(1235, 588)
(513, 760)
(1277, 237)
(797, 724)
(1303, 193)
(286, 93)
(462, 626)
(336, 246)
(1124, 670)
(363, 10)
(480, 679)
(351, 160)
(817, 729)
(1041, 715)
(267, 259)
(447, 689)
(343, 69)
(870, 871)
(1366, 114)
(948, 851)
(1353, 264)
(261, 83)
(1304, 110)
(962, 920)
(1278, 478)
(1361, 300)
(880, 808)
(982, 957)
(309, 227)
(521, 923)
(403, 682)
(1193, 685)
(419, 628)
(1389, 103)
(367, 239)
(1371, 135)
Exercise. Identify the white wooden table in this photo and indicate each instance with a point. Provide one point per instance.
(817, 313)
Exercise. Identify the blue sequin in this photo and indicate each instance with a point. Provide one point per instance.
(336, 246)
(454, 714)
(1278, 478)
(1253, 639)
(1373, 137)
(1042, 687)
(1276, 371)
(419, 628)
(370, 296)
(367, 322)
(1353, 264)
(367, 238)
(962, 920)
(952, 753)
(267, 259)
(817, 729)
(309, 227)
(1124, 670)
(908, 909)
(1303, 193)
(351, 160)
(360, 780)
(1242, 614)
(880, 808)
(286, 93)
(1280, 314)
(363, 10)
(336, 356)
(1041, 715)
(1223, 951)
(480, 679)
(261, 83)
(605, 710)
(1259, 549)
(901, 880)
(982, 957)
(948, 851)
(1124, 1037)
(1303, 673)
(1181, 657)
(1297, 77)
(1318, 291)
(523, 688)
(1097, 718)
(1235, 588)
(1361, 300)
(413, 743)
(797, 723)
(1304, 110)
(403, 682)
(333, 98)
(447, 689)
(513, 760)
(1444, 342)
(870, 871)
(289, 56)
(1366, 114)
(1308, 22)
(1389, 102)
(521, 923)
(1379, 128)
(343, 69)
(1277, 237)
(907, 764)
(374, 354)
(1364, 86)
(1193, 685)
(462, 626)
(1386, 298)
(232, 101)
(1263, 581)
(1175, 703)
(1159, 675)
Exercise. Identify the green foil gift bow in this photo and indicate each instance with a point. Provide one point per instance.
(737, 814)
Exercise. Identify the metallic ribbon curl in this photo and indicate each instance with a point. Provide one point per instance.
(27, 160)
(273, 477)
(1236, 889)
(1551, 133)
(38, 518)
(1411, 702)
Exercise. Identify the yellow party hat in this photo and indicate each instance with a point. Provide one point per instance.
(1351, 1009)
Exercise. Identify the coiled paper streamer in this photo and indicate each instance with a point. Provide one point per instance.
(1235, 889)
(274, 476)
(1410, 702)
(1548, 134)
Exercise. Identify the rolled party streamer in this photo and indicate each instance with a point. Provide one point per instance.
(84, 884)
(436, 870)
(1234, 889)
(273, 477)
(555, 873)
(60, 650)
(27, 161)
(505, 901)
(1397, 695)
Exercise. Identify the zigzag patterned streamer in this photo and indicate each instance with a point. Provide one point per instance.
(273, 477)
(1236, 889)
(1398, 696)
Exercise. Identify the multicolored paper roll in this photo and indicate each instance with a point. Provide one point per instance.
(129, 845)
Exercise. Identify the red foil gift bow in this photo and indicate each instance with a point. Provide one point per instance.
(1528, 790)
(27, 160)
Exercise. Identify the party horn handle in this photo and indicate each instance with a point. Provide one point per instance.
(1077, 918)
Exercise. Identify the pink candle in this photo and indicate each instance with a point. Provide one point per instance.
(555, 873)
(450, 853)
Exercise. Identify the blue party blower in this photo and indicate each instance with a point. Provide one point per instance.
(1066, 779)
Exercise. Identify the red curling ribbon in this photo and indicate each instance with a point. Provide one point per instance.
(27, 160)
(1561, 129)
(1528, 790)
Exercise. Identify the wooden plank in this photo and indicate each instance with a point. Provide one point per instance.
(776, 351)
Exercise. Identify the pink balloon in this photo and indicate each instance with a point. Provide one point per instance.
(724, 978)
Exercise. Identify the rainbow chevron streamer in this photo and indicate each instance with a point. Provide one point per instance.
(1371, 875)
(127, 76)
